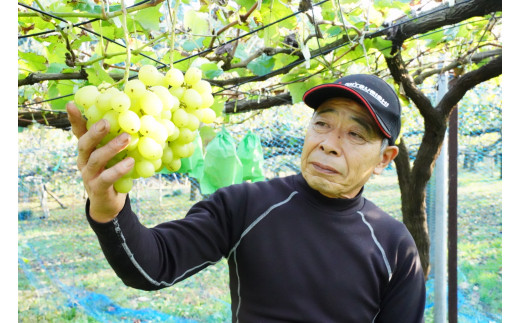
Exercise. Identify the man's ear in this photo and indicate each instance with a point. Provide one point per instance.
(387, 156)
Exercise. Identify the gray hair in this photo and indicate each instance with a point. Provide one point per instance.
(384, 143)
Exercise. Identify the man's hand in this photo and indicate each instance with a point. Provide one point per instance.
(105, 202)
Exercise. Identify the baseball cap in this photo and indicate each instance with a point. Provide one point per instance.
(370, 91)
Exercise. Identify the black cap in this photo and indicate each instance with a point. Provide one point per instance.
(370, 91)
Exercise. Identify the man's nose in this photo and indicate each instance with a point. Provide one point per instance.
(331, 145)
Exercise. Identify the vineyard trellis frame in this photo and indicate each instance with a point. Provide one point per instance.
(231, 107)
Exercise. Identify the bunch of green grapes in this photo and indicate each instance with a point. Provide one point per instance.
(161, 112)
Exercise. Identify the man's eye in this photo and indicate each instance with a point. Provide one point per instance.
(356, 136)
(320, 124)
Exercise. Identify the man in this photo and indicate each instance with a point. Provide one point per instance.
(303, 248)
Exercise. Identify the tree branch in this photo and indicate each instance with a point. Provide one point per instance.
(402, 77)
(239, 106)
(475, 59)
(467, 81)
(436, 18)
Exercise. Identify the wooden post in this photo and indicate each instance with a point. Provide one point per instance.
(452, 216)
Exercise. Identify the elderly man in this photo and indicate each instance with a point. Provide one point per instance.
(303, 248)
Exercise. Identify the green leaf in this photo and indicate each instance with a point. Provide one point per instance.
(104, 28)
(197, 22)
(33, 61)
(334, 31)
(382, 45)
(190, 45)
(149, 18)
(261, 65)
(298, 89)
(246, 3)
(56, 52)
(211, 70)
(97, 75)
(218, 105)
(282, 60)
(56, 90)
(56, 68)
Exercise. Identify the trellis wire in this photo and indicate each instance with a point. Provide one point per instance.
(162, 65)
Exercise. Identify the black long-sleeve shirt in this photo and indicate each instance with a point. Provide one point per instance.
(294, 255)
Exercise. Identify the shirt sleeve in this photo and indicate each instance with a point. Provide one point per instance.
(158, 257)
(404, 298)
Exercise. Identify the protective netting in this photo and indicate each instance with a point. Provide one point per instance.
(63, 275)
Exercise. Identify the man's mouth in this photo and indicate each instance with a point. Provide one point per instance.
(324, 168)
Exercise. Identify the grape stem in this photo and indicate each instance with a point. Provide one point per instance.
(172, 32)
(127, 43)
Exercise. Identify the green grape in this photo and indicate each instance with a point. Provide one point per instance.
(124, 184)
(106, 139)
(191, 149)
(134, 88)
(166, 97)
(129, 121)
(174, 165)
(178, 92)
(192, 99)
(148, 124)
(208, 115)
(202, 87)
(192, 75)
(157, 164)
(93, 114)
(180, 118)
(149, 148)
(86, 96)
(180, 150)
(103, 99)
(193, 122)
(166, 114)
(134, 140)
(167, 155)
(151, 103)
(112, 117)
(169, 126)
(90, 123)
(120, 102)
(207, 100)
(116, 159)
(159, 133)
(174, 77)
(145, 168)
(133, 173)
(135, 154)
(149, 75)
(174, 135)
(186, 136)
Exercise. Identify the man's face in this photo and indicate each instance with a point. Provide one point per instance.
(342, 149)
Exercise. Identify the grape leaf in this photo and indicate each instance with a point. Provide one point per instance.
(261, 65)
(298, 89)
(97, 75)
(211, 70)
(33, 61)
(149, 18)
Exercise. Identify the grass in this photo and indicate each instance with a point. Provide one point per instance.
(61, 261)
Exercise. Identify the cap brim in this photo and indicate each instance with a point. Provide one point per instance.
(319, 94)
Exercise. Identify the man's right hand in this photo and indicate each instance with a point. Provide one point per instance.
(105, 201)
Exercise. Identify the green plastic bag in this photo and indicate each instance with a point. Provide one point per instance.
(222, 167)
(252, 157)
(193, 165)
